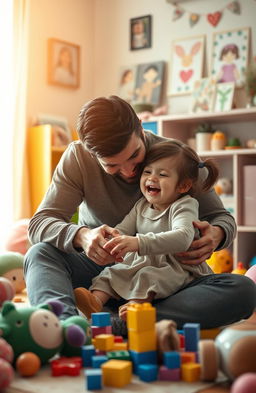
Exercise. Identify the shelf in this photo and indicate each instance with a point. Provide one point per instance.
(234, 115)
(225, 153)
(243, 228)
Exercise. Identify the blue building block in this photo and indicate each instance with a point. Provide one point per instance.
(101, 319)
(172, 359)
(97, 360)
(88, 351)
(148, 372)
(148, 357)
(151, 126)
(192, 336)
(94, 379)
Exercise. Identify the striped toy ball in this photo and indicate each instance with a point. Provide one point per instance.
(6, 351)
(6, 374)
(7, 290)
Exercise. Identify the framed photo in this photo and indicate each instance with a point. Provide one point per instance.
(149, 82)
(230, 56)
(202, 97)
(126, 85)
(140, 32)
(63, 63)
(224, 96)
(186, 64)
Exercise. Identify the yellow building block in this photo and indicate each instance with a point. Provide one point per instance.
(190, 372)
(104, 342)
(142, 341)
(117, 373)
(188, 357)
(120, 346)
(141, 317)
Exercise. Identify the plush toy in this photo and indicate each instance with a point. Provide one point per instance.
(223, 186)
(234, 349)
(6, 370)
(39, 330)
(7, 290)
(17, 237)
(221, 261)
(11, 267)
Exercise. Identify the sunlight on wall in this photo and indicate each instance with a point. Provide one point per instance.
(7, 114)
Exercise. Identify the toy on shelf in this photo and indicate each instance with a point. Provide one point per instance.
(233, 143)
(221, 261)
(234, 349)
(223, 186)
(11, 267)
(39, 330)
(240, 269)
(252, 261)
(6, 370)
(218, 140)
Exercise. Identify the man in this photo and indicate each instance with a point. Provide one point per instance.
(100, 174)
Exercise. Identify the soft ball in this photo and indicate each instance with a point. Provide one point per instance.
(251, 273)
(6, 374)
(17, 237)
(7, 290)
(246, 383)
(28, 364)
(6, 351)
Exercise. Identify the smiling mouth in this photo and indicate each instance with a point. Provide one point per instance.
(152, 190)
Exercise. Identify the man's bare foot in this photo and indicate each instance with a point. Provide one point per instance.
(167, 336)
(87, 302)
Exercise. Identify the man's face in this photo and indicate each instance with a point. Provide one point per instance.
(127, 163)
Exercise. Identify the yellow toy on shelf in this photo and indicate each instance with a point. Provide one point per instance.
(221, 261)
(240, 269)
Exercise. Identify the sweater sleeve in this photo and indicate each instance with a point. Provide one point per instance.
(182, 214)
(51, 222)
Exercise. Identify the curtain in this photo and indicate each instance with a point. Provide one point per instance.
(13, 82)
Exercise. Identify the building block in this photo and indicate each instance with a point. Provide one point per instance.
(168, 374)
(172, 359)
(148, 372)
(98, 360)
(142, 341)
(149, 357)
(118, 339)
(182, 341)
(192, 336)
(101, 330)
(87, 352)
(190, 372)
(117, 373)
(66, 366)
(121, 355)
(104, 342)
(141, 317)
(209, 333)
(93, 379)
(120, 346)
(188, 357)
(101, 319)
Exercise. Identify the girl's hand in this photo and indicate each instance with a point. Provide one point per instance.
(201, 249)
(122, 244)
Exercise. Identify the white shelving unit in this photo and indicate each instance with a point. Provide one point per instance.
(240, 123)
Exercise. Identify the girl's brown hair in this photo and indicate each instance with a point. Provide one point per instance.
(188, 163)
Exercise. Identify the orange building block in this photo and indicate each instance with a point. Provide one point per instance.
(188, 357)
(117, 373)
(120, 346)
(142, 341)
(141, 317)
(209, 333)
(190, 372)
(104, 342)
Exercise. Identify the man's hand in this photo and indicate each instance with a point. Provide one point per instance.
(122, 244)
(92, 241)
(201, 249)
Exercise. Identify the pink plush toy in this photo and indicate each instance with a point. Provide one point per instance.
(6, 370)
(17, 237)
(7, 290)
(246, 383)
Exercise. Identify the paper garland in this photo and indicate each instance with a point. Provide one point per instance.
(212, 18)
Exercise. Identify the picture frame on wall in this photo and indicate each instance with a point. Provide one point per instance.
(63, 63)
(224, 94)
(186, 65)
(140, 32)
(230, 55)
(149, 83)
(126, 84)
(202, 97)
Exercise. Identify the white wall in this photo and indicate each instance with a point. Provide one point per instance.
(68, 20)
(112, 18)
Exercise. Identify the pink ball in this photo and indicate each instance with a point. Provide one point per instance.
(6, 351)
(7, 290)
(251, 273)
(6, 374)
(17, 238)
(246, 383)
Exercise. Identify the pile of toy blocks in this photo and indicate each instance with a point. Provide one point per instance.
(110, 361)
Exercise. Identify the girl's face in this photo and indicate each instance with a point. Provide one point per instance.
(159, 183)
(229, 57)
